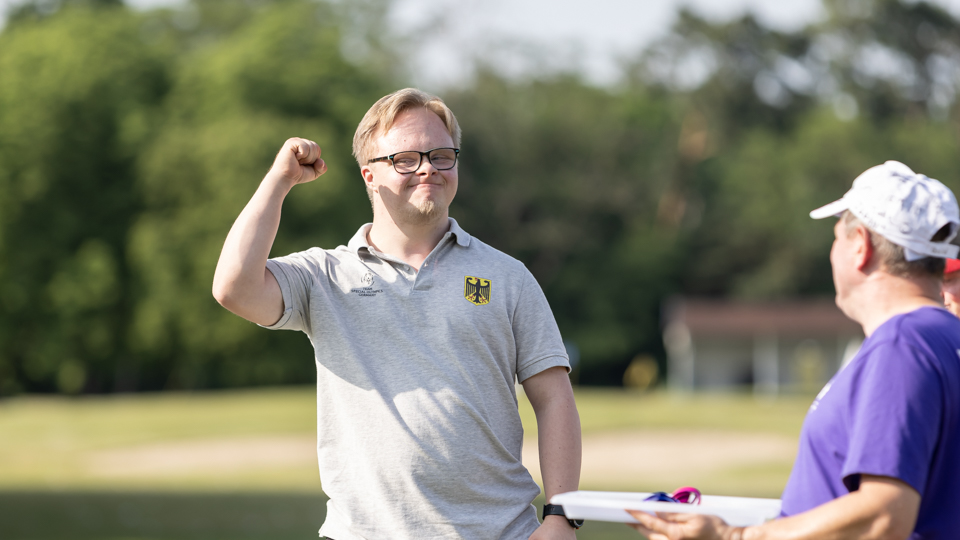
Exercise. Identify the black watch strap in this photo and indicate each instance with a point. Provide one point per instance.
(557, 510)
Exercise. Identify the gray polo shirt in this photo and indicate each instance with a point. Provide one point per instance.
(418, 434)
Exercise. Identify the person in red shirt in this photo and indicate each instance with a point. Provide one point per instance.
(950, 290)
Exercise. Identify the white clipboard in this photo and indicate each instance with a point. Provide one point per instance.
(613, 505)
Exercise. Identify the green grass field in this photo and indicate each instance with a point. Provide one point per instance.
(162, 466)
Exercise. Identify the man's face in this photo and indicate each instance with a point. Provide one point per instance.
(425, 194)
(950, 290)
(842, 261)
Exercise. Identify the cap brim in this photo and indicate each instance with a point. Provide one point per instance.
(833, 209)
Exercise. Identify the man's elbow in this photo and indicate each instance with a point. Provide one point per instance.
(241, 303)
(895, 506)
(893, 526)
(220, 292)
(225, 295)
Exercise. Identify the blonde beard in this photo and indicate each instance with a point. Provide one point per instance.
(424, 212)
(414, 214)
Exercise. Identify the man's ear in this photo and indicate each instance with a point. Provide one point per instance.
(367, 175)
(864, 255)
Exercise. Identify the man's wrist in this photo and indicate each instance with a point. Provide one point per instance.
(556, 510)
(559, 523)
(277, 180)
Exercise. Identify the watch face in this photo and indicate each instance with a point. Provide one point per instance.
(576, 523)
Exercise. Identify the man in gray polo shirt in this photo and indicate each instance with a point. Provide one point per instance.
(420, 332)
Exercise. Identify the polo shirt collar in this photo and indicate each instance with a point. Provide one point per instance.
(359, 240)
(462, 237)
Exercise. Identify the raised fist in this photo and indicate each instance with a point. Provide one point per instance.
(299, 161)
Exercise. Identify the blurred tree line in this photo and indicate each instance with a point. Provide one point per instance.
(129, 142)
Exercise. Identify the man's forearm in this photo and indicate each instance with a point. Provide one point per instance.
(558, 427)
(882, 509)
(560, 449)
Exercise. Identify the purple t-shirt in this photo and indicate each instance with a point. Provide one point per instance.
(893, 411)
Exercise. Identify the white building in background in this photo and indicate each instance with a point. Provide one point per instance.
(769, 347)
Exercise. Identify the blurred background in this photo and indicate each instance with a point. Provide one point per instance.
(652, 163)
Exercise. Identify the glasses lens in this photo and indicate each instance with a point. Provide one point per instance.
(406, 162)
(443, 158)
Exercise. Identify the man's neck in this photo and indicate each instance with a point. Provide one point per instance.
(410, 243)
(883, 296)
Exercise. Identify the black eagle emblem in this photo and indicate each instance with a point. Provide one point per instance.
(476, 290)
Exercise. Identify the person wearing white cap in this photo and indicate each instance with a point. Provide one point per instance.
(879, 452)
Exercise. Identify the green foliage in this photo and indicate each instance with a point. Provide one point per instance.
(232, 106)
(73, 91)
(574, 192)
(129, 143)
(122, 167)
(767, 185)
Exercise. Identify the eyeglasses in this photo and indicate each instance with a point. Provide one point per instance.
(407, 162)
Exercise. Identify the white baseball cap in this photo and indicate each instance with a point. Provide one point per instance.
(904, 207)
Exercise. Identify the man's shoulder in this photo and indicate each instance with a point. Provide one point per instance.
(316, 259)
(926, 333)
(491, 256)
(473, 245)
(309, 254)
(925, 323)
(484, 248)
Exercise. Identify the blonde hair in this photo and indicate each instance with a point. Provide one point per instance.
(384, 113)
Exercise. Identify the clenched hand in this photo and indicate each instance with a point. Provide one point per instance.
(299, 161)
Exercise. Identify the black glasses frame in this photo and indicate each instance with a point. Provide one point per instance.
(456, 156)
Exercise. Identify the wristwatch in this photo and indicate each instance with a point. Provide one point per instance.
(557, 510)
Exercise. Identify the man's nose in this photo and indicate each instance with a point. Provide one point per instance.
(426, 167)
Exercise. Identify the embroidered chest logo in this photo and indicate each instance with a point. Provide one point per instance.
(367, 289)
(476, 290)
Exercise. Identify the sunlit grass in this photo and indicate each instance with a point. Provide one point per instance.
(616, 409)
(49, 490)
(651, 416)
(48, 442)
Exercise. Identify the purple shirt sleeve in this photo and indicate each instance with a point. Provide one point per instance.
(895, 418)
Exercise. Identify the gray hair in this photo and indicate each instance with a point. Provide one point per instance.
(891, 256)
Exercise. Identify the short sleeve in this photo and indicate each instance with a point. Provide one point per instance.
(538, 341)
(896, 419)
(297, 275)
